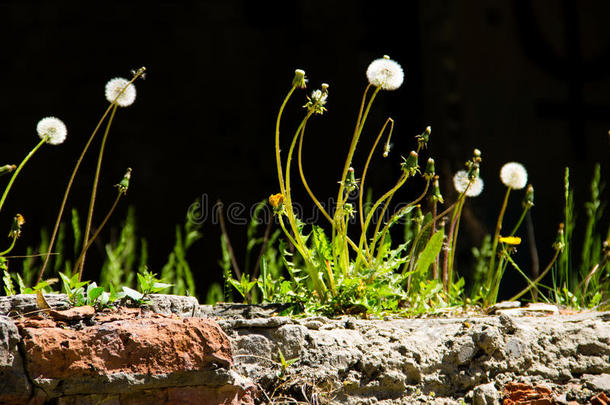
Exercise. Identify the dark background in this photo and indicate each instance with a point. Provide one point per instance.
(521, 81)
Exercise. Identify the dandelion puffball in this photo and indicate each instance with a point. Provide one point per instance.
(114, 88)
(513, 175)
(461, 180)
(385, 73)
(52, 130)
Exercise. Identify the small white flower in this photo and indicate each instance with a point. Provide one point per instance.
(317, 96)
(385, 73)
(461, 180)
(52, 130)
(513, 175)
(114, 88)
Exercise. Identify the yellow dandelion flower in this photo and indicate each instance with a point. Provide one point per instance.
(276, 200)
(510, 240)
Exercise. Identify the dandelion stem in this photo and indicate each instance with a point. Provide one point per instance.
(356, 136)
(411, 263)
(94, 193)
(366, 167)
(494, 247)
(88, 243)
(403, 178)
(278, 160)
(304, 181)
(539, 278)
(452, 241)
(525, 211)
(394, 217)
(16, 172)
(2, 254)
(73, 175)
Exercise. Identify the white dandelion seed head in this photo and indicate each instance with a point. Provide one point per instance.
(385, 73)
(114, 88)
(318, 96)
(52, 130)
(461, 180)
(514, 175)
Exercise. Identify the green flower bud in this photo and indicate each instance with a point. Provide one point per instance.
(18, 222)
(124, 184)
(7, 169)
(429, 172)
(423, 138)
(528, 199)
(410, 165)
(436, 191)
(559, 242)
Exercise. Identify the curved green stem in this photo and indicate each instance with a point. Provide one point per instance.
(287, 190)
(539, 278)
(278, 160)
(403, 178)
(73, 175)
(366, 167)
(496, 237)
(93, 194)
(18, 170)
(86, 246)
(10, 247)
(304, 181)
(525, 210)
(386, 227)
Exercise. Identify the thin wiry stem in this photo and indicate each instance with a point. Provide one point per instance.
(18, 170)
(97, 232)
(73, 175)
(278, 160)
(366, 167)
(94, 193)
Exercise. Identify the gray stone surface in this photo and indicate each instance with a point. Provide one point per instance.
(486, 394)
(14, 384)
(403, 361)
(22, 303)
(355, 361)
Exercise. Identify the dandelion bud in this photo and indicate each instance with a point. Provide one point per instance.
(476, 153)
(299, 80)
(124, 184)
(513, 175)
(419, 215)
(349, 210)
(385, 73)
(410, 165)
(528, 200)
(436, 191)
(324, 87)
(18, 222)
(7, 169)
(559, 242)
(52, 130)
(141, 72)
(429, 172)
(423, 138)
(120, 91)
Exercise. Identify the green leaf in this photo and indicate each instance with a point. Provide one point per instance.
(93, 292)
(430, 252)
(133, 294)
